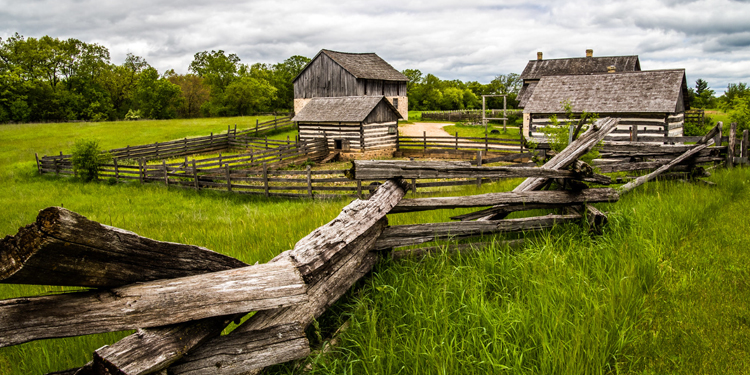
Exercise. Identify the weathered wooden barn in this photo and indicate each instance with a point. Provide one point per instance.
(655, 101)
(337, 74)
(351, 124)
(536, 69)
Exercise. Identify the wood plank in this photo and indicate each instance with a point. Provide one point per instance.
(152, 303)
(65, 248)
(643, 179)
(508, 198)
(382, 169)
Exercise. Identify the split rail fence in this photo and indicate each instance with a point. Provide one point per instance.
(474, 115)
(180, 297)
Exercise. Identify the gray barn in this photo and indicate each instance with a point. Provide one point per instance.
(536, 69)
(655, 101)
(339, 74)
(351, 124)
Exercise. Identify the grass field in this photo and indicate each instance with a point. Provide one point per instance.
(664, 290)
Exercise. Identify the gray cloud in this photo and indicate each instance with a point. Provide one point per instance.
(468, 40)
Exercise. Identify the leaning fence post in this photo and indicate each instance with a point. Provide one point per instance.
(732, 141)
(38, 168)
(479, 164)
(265, 178)
(229, 179)
(309, 182)
(195, 175)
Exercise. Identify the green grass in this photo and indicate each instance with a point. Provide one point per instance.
(478, 131)
(717, 115)
(664, 290)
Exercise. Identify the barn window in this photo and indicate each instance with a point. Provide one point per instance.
(391, 130)
(395, 102)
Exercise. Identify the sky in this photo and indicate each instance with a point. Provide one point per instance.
(470, 40)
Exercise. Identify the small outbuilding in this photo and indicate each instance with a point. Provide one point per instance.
(536, 69)
(655, 101)
(332, 74)
(357, 126)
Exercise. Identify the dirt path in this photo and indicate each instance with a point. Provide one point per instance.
(417, 129)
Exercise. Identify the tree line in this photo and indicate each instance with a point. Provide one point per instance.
(430, 93)
(49, 79)
(735, 101)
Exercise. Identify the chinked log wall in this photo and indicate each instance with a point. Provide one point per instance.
(190, 294)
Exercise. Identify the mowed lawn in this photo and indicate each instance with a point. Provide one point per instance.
(666, 289)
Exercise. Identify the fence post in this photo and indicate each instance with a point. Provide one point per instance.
(117, 171)
(732, 141)
(195, 176)
(456, 141)
(38, 168)
(157, 149)
(744, 147)
(413, 186)
(265, 178)
(184, 145)
(211, 140)
(486, 143)
(424, 141)
(229, 179)
(127, 152)
(359, 189)
(140, 170)
(635, 133)
(256, 127)
(479, 164)
(166, 176)
(309, 182)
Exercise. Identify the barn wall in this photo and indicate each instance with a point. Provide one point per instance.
(324, 78)
(380, 114)
(652, 124)
(372, 136)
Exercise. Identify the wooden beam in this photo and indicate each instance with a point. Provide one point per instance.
(508, 198)
(404, 235)
(382, 169)
(152, 304)
(732, 143)
(643, 179)
(64, 248)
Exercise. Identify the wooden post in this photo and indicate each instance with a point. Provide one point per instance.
(140, 170)
(479, 164)
(166, 176)
(117, 172)
(414, 186)
(424, 141)
(717, 140)
(229, 179)
(211, 140)
(486, 143)
(195, 175)
(265, 178)
(38, 167)
(127, 151)
(359, 188)
(744, 147)
(456, 141)
(732, 141)
(157, 149)
(309, 182)
(361, 137)
(256, 127)
(220, 159)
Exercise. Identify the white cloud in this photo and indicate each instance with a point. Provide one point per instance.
(468, 40)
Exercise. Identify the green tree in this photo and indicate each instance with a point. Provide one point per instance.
(156, 97)
(217, 68)
(248, 95)
(703, 96)
(194, 93)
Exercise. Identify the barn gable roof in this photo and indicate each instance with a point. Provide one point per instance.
(644, 91)
(341, 109)
(361, 65)
(537, 69)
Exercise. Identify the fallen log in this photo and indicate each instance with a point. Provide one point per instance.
(65, 248)
(340, 275)
(321, 245)
(643, 179)
(507, 198)
(152, 304)
(458, 248)
(380, 169)
(404, 235)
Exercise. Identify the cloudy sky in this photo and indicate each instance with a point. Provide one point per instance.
(467, 40)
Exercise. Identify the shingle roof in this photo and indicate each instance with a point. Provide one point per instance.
(536, 69)
(363, 65)
(644, 91)
(341, 109)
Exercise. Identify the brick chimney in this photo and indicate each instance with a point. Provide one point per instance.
(538, 55)
(589, 53)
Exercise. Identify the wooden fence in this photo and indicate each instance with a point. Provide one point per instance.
(181, 297)
(474, 115)
(457, 143)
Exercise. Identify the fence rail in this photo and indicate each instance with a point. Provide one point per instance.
(465, 114)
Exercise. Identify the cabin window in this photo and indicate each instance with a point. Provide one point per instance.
(395, 102)
(392, 129)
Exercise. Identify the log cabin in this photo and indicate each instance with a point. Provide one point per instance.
(355, 126)
(338, 74)
(536, 69)
(654, 101)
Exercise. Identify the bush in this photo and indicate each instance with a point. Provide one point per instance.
(133, 115)
(693, 129)
(88, 158)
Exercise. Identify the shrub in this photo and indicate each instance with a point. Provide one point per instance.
(133, 115)
(88, 158)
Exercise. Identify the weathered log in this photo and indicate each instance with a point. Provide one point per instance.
(575, 150)
(732, 142)
(404, 235)
(324, 243)
(340, 275)
(595, 218)
(643, 179)
(503, 210)
(65, 248)
(152, 304)
(458, 248)
(379, 169)
(509, 157)
(507, 198)
(253, 350)
(153, 349)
